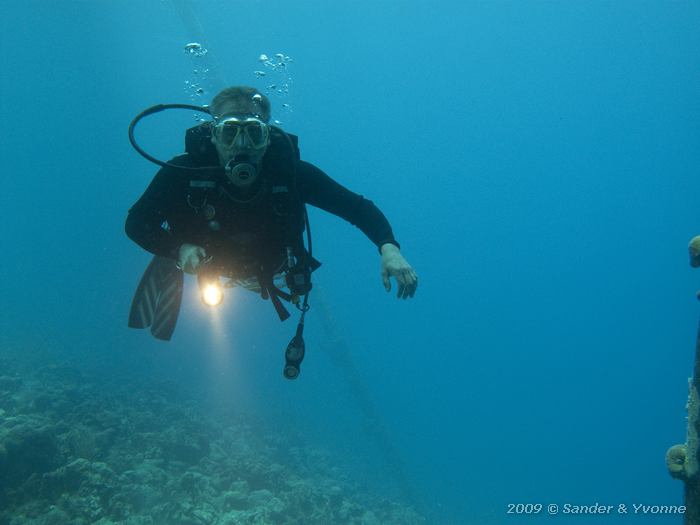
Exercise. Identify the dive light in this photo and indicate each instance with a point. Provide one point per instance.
(210, 289)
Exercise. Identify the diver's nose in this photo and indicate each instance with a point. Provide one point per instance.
(240, 140)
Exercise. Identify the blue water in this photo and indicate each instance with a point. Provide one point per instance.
(537, 161)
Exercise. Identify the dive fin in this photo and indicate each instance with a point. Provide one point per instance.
(157, 300)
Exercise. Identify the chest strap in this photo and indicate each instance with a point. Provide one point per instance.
(269, 291)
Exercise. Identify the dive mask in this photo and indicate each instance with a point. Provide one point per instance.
(242, 133)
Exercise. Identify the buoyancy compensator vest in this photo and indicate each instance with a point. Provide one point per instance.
(278, 203)
(279, 214)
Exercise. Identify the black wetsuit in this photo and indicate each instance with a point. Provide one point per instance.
(165, 216)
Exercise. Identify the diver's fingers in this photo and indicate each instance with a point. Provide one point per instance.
(401, 281)
(190, 257)
(189, 265)
(413, 283)
(404, 283)
(408, 279)
(196, 262)
(200, 257)
(385, 280)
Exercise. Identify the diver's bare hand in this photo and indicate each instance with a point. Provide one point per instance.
(394, 265)
(190, 257)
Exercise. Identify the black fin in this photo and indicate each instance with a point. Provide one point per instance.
(157, 300)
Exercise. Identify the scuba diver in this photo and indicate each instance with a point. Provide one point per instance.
(233, 208)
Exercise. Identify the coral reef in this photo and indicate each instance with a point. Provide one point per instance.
(675, 461)
(694, 251)
(74, 451)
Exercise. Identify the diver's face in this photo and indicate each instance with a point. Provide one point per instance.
(240, 136)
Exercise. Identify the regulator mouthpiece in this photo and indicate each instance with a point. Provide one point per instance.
(241, 174)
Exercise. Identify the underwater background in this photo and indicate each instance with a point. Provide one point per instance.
(538, 162)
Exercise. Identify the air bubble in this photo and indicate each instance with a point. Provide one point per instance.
(199, 84)
(196, 49)
(276, 68)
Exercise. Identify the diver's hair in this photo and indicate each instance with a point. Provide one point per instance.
(241, 97)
